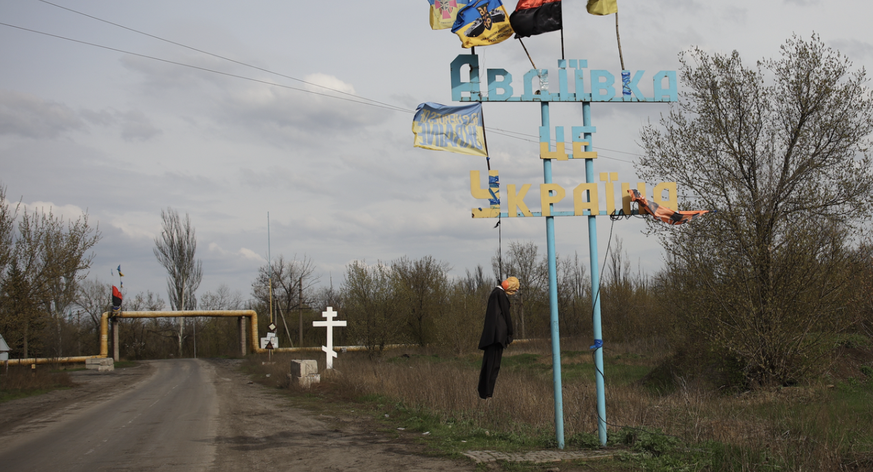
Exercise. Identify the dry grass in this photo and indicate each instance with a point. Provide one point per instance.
(814, 427)
(22, 381)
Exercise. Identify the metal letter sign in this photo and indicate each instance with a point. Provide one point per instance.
(588, 86)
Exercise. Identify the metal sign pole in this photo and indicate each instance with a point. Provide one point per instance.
(553, 297)
(595, 287)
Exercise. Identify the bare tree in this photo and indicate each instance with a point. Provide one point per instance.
(781, 151)
(222, 299)
(42, 258)
(421, 288)
(292, 285)
(523, 262)
(175, 249)
(370, 304)
(93, 298)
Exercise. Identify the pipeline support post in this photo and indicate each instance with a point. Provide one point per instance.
(242, 335)
(115, 355)
(104, 335)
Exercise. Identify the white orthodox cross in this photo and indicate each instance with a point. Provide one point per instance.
(329, 323)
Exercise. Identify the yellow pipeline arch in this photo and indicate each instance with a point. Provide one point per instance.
(253, 345)
(251, 314)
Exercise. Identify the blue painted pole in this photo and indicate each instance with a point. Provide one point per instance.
(595, 290)
(553, 298)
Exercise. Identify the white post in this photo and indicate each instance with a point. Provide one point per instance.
(329, 323)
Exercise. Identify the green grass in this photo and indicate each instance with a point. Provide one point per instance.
(808, 427)
(22, 382)
(15, 394)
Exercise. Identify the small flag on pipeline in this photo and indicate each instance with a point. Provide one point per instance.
(458, 129)
(116, 299)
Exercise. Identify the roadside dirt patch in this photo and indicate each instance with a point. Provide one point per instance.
(263, 428)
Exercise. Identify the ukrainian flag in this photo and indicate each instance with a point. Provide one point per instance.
(482, 23)
(454, 129)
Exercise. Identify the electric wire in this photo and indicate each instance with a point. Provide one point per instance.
(223, 57)
(205, 69)
(613, 218)
(353, 97)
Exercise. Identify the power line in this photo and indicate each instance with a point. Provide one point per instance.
(355, 98)
(223, 57)
(205, 69)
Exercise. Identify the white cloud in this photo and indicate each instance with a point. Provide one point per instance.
(249, 254)
(243, 252)
(65, 212)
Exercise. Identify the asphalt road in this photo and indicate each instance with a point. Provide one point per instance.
(192, 415)
(168, 420)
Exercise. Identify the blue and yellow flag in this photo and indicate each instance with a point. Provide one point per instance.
(454, 129)
(482, 23)
(444, 12)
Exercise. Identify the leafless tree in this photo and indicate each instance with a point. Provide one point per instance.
(522, 261)
(175, 249)
(421, 288)
(293, 284)
(42, 258)
(780, 149)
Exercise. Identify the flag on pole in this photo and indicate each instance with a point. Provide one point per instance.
(444, 12)
(453, 129)
(116, 299)
(532, 17)
(482, 23)
(602, 7)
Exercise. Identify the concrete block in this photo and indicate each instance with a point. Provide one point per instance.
(305, 381)
(304, 373)
(302, 368)
(100, 364)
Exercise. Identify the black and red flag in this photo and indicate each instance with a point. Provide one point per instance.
(116, 299)
(533, 17)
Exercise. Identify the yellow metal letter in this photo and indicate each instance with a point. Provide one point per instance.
(479, 193)
(547, 198)
(610, 192)
(560, 154)
(516, 200)
(578, 153)
(579, 205)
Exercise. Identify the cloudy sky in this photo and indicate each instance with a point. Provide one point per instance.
(227, 111)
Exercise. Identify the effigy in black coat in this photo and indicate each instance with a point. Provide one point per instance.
(498, 321)
(496, 335)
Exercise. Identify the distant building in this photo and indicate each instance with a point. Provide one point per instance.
(4, 349)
